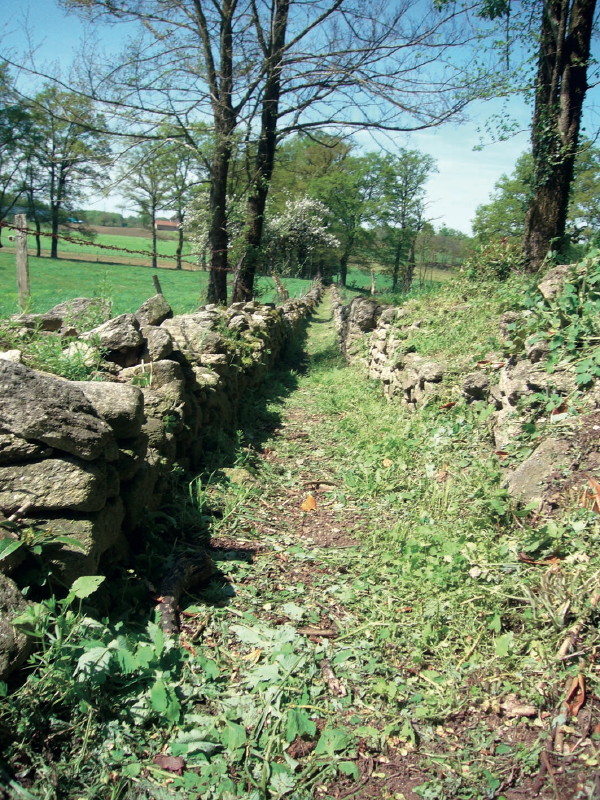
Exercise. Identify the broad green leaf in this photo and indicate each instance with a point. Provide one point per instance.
(164, 701)
(293, 611)
(93, 663)
(282, 782)
(234, 736)
(86, 585)
(8, 546)
(298, 723)
(195, 741)
(157, 637)
(266, 673)
(331, 741)
(158, 696)
(349, 768)
(504, 644)
(495, 624)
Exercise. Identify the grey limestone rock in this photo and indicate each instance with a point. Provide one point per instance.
(53, 484)
(553, 281)
(121, 337)
(95, 534)
(11, 355)
(154, 311)
(14, 448)
(155, 375)
(476, 386)
(529, 481)
(51, 411)
(81, 312)
(120, 405)
(159, 344)
(192, 335)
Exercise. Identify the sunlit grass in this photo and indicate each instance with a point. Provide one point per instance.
(54, 281)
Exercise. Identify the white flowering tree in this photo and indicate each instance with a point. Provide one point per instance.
(297, 239)
(196, 224)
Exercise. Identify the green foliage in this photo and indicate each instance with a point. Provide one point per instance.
(504, 215)
(495, 261)
(569, 323)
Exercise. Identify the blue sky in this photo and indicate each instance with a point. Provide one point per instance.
(466, 176)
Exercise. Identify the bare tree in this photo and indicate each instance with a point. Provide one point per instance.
(272, 67)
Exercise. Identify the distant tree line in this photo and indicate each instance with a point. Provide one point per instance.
(211, 103)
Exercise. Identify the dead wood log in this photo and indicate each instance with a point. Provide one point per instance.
(184, 574)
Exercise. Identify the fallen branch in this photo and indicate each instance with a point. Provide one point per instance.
(336, 687)
(187, 572)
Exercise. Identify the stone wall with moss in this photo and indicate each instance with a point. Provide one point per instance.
(84, 461)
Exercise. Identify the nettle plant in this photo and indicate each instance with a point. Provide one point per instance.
(569, 323)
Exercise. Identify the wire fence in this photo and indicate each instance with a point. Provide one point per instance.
(77, 240)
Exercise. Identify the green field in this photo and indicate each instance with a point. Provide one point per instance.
(120, 244)
(128, 285)
(53, 281)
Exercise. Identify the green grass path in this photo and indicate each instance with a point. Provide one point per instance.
(354, 645)
(370, 633)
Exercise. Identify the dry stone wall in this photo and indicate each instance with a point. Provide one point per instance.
(562, 463)
(87, 460)
(405, 376)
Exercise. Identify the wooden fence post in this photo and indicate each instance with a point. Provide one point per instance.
(22, 260)
(157, 284)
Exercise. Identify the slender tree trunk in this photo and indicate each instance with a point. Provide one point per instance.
(560, 91)
(38, 237)
(220, 80)
(397, 259)
(54, 215)
(154, 237)
(265, 155)
(410, 267)
(344, 260)
(217, 236)
(179, 250)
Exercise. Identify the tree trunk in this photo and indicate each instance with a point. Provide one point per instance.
(54, 215)
(154, 242)
(397, 260)
(218, 239)
(179, 250)
(346, 258)
(265, 155)
(560, 91)
(410, 267)
(38, 238)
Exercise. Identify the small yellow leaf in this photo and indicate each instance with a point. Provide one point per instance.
(387, 462)
(310, 504)
(253, 656)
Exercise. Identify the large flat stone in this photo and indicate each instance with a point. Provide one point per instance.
(53, 484)
(44, 409)
(95, 533)
(119, 404)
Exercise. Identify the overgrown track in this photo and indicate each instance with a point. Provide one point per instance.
(370, 634)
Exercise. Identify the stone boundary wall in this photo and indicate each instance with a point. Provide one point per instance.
(563, 460)
(88, 459)
(405, 376)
